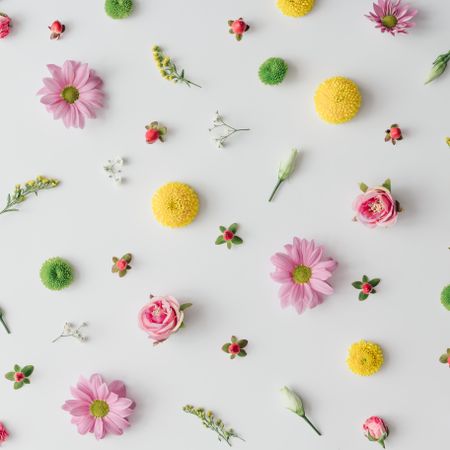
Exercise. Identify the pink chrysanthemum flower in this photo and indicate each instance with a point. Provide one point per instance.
(392, 16)
(303, 272)
(72, 93)
(98, 407)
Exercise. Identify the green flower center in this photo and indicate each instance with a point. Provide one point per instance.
(99, 408)
(70, 94)
(301, 274)
(389, 21)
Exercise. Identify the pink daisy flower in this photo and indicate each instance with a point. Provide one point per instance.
(392, 16)
(72, 93)
(98, 407)
(302, 272)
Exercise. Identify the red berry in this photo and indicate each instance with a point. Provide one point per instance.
(239, 26)
(151, 135)
(448, 361)
(366, 288)
(18, 377)
(234, 348)
(56, 27)
(228, 235)
(121, 264)
(395, 133)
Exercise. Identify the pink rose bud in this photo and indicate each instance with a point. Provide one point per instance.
(376, 430)
(5, 25)
(121, 264)
(239, 26)
(151, 135)
(366, 288)
(376, 208)
(161, 317)
(234, 348)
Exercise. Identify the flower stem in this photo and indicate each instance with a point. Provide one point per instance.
(275, 190)
(4, 324)
(311, 425)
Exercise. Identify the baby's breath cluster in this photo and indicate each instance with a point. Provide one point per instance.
(168, 69)
(213, 423)
(21, 192)
(71, 330)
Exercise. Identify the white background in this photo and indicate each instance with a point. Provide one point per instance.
(88, 219)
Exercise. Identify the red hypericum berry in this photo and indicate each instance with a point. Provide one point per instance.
(366, 288)
(448, 360)
(18, 377)
(234, 348)
(395, 133)
(228, 235)
(239, 26)
(151, 135)
(121, 264)
(57, 28)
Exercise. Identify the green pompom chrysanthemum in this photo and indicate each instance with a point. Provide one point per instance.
(56, 274)
(272, 71)
(445, 297)
(118, 9)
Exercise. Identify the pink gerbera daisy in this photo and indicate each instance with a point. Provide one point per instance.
(98, 407)
(392, 16)
(73, 92)
(303, 272)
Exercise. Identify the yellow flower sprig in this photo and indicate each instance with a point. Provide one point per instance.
(168, 69)
(21, 192)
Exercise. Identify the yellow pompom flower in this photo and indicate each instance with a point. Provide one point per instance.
(365, 358)
(337, 100)
(295, 8)
(175, 205)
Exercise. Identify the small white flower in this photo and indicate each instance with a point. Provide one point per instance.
(292, 401)
(114, 169)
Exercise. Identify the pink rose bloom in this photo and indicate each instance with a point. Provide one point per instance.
(161, 317)
(121, 264)
(376, 430)
(4, 435)
(5, 25)
(376, 208)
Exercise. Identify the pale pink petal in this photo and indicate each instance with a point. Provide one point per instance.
(321, 286)
(282, 261)
(321, 274)
(77, 393)
(281, 276)
(111, 427)
(86, 424)
(99, 429)
(81, 76)
(50, 99)
(118, 420)
(68, 71)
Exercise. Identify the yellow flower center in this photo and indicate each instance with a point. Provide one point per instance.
(389, 21)
(99, 408)
(70, 94)
(302, 274)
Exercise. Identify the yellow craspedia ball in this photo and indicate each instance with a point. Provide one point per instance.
(337, 100)
(295, 8)
(175, 205)
(365, 358)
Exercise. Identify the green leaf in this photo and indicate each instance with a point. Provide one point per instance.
(363, 187)
(242, 353)
(237, 240)
(443, 359)
(357, 284)
(122, 273)
(185, 306)
(365, 278)
(233, 227)
(363, 296)
(374, 282)
(10, 376)
(182, 73)
(16, 367)
(127, 257)
(387, 184)
(26, 380)
(220, 240)
(373, 291)
(115, 259)
(114, 269)
(242, 343)
(225, 347)
(18, 385)
(233, 339)
(222, 228)
(448, 351)
(27, 370)
(228, 244)
(232, 356)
